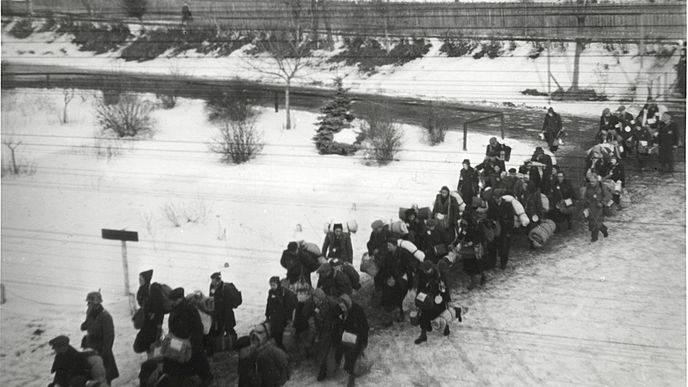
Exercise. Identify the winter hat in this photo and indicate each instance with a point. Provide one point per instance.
(431, 223)
(467, 162)
(426, 266)
(176, 294)
(292, 246)
(444, 188)
(377, 224)
(147, 275)
(274, 280)
(337, 226)
(59, 341)
(621, 108)
(325, 269)
(319, 294)
(216, 276)
(94, 297)
(512, 170)
(409, 212)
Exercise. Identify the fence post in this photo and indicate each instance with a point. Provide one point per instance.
(276, 102)
(501, 119)
(465, 134)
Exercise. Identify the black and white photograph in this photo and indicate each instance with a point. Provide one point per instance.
(373, 193)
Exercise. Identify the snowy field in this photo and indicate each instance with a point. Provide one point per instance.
(609, 314)
(435, 76)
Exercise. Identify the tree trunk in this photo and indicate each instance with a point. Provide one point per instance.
(286, 104)
(29, 8)
(326, 19)
(576, 65)
(64, 114)
(15, 169)
(315, 22)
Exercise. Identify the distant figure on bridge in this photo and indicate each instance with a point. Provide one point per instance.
(186, 16)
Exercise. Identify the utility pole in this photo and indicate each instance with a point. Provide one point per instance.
(549, 75)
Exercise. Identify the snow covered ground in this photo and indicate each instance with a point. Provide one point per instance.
(605, 314)
(435, 76)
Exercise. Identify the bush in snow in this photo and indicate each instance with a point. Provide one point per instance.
(15, 166)
(369, 53)
(458, 47)
(536, 49)
(196, 211)
(436, 122)
(237, 141)
(22, 29)
(235, 105)
(336, 115)
(492, 49)
(98, 38)
(383, 137)
(130, 117)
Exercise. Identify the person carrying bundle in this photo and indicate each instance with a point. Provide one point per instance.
(279, 309)
(470, 248)
(154, 305)
(396, 272)
(432, 298)
(564, 198)
(595, 197)
(354, 338)
(468, 182)
(337, 244)
(615, 173)
(446, 210)
(334, 282)
(502, 212)
(328, 327)
(437, 241)
(416, 227)
(552, 129)
(226, 298)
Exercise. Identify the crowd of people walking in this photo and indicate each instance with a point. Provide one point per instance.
(410, 258)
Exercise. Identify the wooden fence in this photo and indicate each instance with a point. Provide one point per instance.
(533, 21)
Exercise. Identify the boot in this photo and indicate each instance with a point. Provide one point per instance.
(605, 231)
(352, 380)
(616, 198)
(594, 236)
(458, 313)
(446, 330)
(422, 338)
(323, 373)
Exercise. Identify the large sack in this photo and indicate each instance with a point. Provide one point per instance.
(350, 271)
(520, 219)
(348, 227)
(302, 289)
(206, 320)
(488, 229)
(424, 213)
(459, 199)
(411, 248)
(310, 248)
(545, 202)
(289, 338)
(444, 319)
(166, 302)
(369, 266)
(540, 234)
(398, 228)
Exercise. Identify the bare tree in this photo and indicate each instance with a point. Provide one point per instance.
(294, 8)
(12, 145)
(68, 95)
(286, 58)
(580, 45)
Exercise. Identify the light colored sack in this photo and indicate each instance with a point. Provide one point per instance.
(349, 338)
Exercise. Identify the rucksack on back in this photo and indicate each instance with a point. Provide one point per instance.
(166, 302)
(234, 295)
(351, 273)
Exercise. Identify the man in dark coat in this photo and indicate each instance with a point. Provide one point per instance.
(649, 115)
(279, 309)
(438, 241)
(67, 363)
(299, 263)
(334, 282)
(185, 323)
(606, 121)
(377, 243)
(416, 228)
(226, 298)
(562, 200)
(429, 284)
(615, 173)
(328, 327)
(541, 157)
(468, 182)
(355, 325)
(337, 244)
(551, 128)
(667, 138)
(100, 333)
(503, 213)
(396, 272)
(150, 299)
(595, 196)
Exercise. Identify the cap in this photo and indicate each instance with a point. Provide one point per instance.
(275, 280)
(147, 275)
(59, 341)
(621, 108)
(94, 297)
(466, 161)
(216, 276)
(444, 188)
(377, 224)
(337, 226)
(176, 294)
(512, 170)
(292, 246)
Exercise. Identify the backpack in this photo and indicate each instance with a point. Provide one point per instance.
(234, 295)
(350, 272)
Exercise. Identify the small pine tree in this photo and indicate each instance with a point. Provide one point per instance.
(336, 115)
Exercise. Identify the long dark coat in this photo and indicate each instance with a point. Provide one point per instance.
(594, 196)
(301, 264)
(100, 336)
(667, 137)
(468, 184)
(223, 314)
(68, 365)
(432, 285)
(356, 323)
(551, 126)
(279, 308)
(150, 298)
(378, 241)
(447, 207)
(338, 247)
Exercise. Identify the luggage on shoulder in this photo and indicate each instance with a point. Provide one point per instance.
(347, 227)
(369, 265)
(310, 247)
(520, 218)
(411, 248)
(176, 349)
(398, 228)
(350, 271)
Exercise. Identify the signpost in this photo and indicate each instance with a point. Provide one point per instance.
(123, 236)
